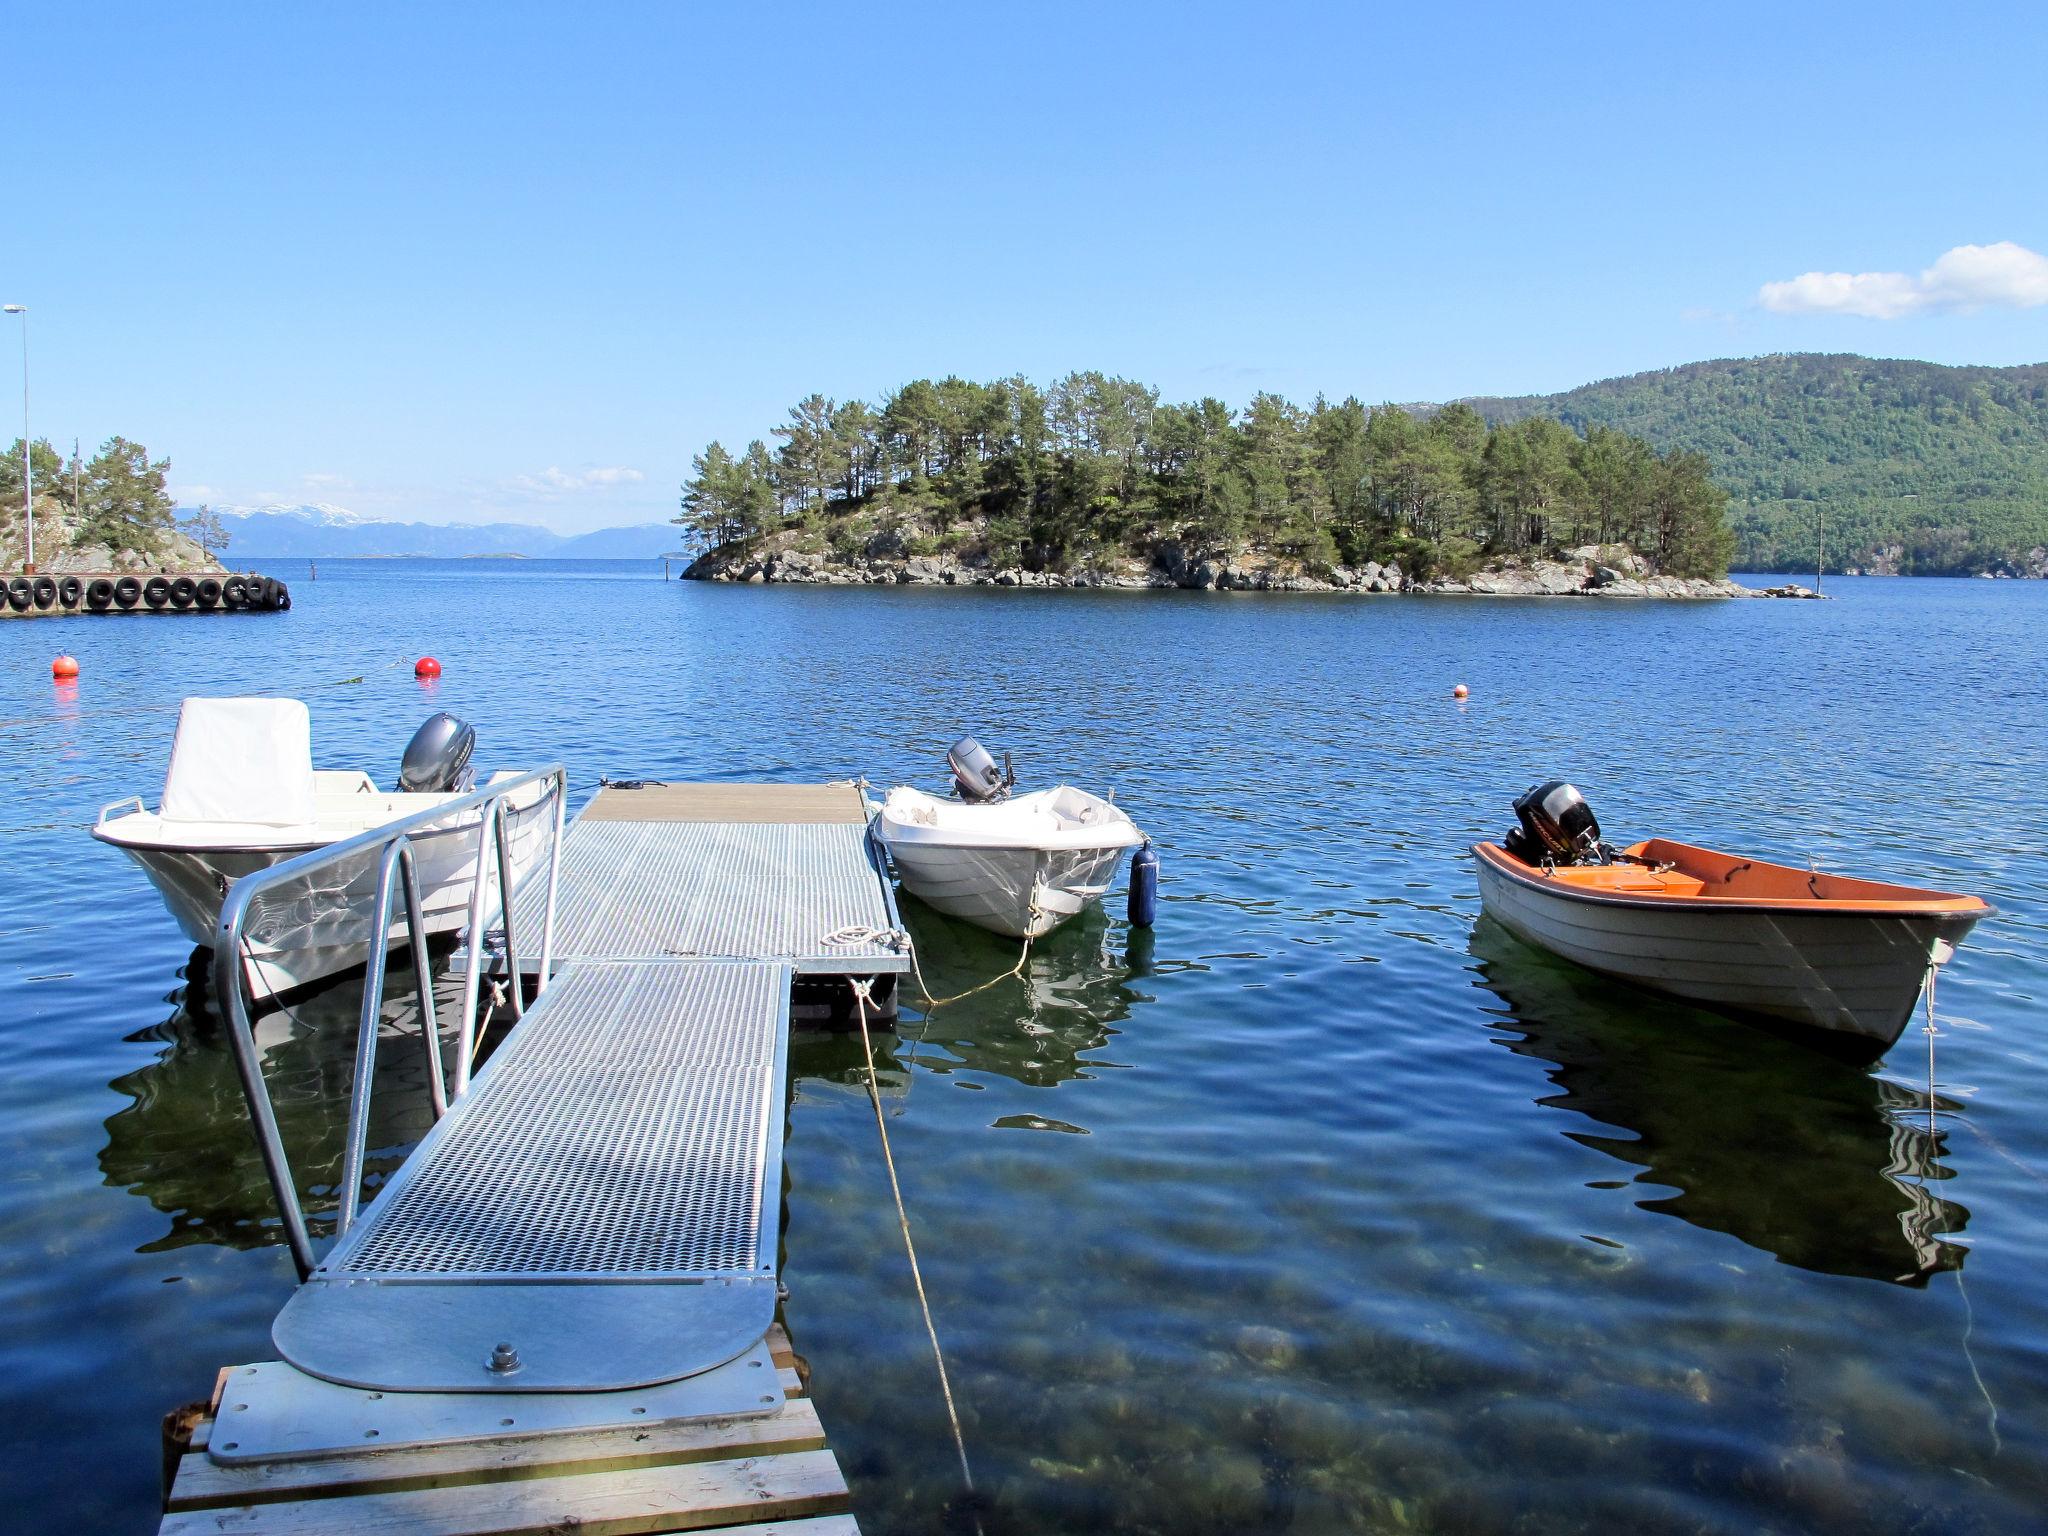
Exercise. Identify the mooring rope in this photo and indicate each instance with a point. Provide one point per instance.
(862, 997)
(1969, 1312)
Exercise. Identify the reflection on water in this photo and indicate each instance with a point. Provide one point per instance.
(1828, 1168)
(184, 1144)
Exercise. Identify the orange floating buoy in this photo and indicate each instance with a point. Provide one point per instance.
(426, 666)
(1461, 691)
(64, 666)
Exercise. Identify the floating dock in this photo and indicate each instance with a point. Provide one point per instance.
(52, 594)
(560, 1312)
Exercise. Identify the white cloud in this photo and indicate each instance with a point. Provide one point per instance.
(320, 480)
(2000, 276)
(554, 481)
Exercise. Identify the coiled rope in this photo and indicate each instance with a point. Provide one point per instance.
(862, 997)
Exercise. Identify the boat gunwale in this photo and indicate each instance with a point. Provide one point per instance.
(1112, 835)
(1923, 903)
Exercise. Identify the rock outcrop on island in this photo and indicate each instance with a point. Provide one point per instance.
(1593, 571)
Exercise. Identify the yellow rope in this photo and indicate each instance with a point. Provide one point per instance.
(862, 997)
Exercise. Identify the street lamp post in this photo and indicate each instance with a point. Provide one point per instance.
(28, 491)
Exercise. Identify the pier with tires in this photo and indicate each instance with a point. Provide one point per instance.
(102, 592)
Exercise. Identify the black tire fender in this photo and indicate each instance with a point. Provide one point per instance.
(21, 594)
(183, 590)
(127, 592)
(99, 597)
(46, 592)
(156, 591)
(70, 591)
(207, 591)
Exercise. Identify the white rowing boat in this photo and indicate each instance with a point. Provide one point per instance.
(1827, 952)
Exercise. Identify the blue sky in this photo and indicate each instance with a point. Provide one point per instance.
(464, 262)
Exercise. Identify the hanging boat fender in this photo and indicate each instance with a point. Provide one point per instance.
(1144, 886)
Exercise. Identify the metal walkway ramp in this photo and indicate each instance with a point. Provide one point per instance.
(721, 871)
(596, 1201)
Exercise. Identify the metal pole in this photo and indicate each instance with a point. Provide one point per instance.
(1820, 541)
(28, 474)
(473, 965)
(366, 1040)
(423, 981)
(227, 991)
(516, 999)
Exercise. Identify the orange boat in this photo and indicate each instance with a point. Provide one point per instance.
(1763, 940)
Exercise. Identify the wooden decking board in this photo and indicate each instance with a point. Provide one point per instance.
(763, 804)
(696, 1496)
(204, 1484)
(741, 1477)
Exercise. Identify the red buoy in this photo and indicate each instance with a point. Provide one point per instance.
(64, 666)
(426, 666)
(1460, 691)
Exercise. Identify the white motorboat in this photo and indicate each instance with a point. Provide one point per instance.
(1018, 865)
(242, 795)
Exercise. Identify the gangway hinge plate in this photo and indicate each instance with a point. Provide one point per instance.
(275, 1412)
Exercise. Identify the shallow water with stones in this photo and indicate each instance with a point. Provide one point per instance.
(1321, 1207)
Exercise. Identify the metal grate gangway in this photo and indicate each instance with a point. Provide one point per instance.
(723, 871)
(585, 1236)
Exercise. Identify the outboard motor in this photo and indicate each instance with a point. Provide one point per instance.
(976, 777)
(437, 758)
(1557, 826)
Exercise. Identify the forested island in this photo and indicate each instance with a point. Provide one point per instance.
(1096, 477)
(1891, 467)
(110, 512)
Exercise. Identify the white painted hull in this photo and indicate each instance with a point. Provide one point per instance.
(1857, 974)
(313, 932)
(1019, 866)
(1021, 892)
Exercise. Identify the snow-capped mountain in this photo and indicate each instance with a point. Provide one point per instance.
(322, 530)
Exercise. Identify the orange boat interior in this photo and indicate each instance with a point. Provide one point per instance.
(1681, 872)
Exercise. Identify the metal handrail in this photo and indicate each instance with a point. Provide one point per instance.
(396, 872)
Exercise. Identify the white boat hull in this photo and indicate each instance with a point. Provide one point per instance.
(1021, 892)
(311, 933)
(1019, 866)
(1849, 973)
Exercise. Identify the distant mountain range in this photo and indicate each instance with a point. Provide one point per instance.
(320, 530)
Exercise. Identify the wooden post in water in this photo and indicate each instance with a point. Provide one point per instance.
(1820, 540)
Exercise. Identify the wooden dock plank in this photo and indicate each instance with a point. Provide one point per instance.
(641, 1502)
(204, 1484)
(763, 804)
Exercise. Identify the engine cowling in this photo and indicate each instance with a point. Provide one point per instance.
(437, 758)
(1554, 823)
(975, 774)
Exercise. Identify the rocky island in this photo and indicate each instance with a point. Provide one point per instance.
(1095, 482)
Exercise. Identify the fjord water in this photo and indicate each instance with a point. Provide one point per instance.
(1321, 1208)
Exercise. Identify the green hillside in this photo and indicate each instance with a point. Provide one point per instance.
(1946, 466)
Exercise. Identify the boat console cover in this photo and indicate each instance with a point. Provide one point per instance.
(246, 761)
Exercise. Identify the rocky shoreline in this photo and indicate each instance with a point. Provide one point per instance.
(1590, 572)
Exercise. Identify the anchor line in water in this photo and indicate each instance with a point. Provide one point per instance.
(861, 999)
(897, 938)
(1969, 1312)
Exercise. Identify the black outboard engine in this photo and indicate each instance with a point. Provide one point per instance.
(437, 758)
(976, 778)
(1556, 826)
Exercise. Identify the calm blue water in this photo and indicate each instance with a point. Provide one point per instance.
(1320, 1210)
